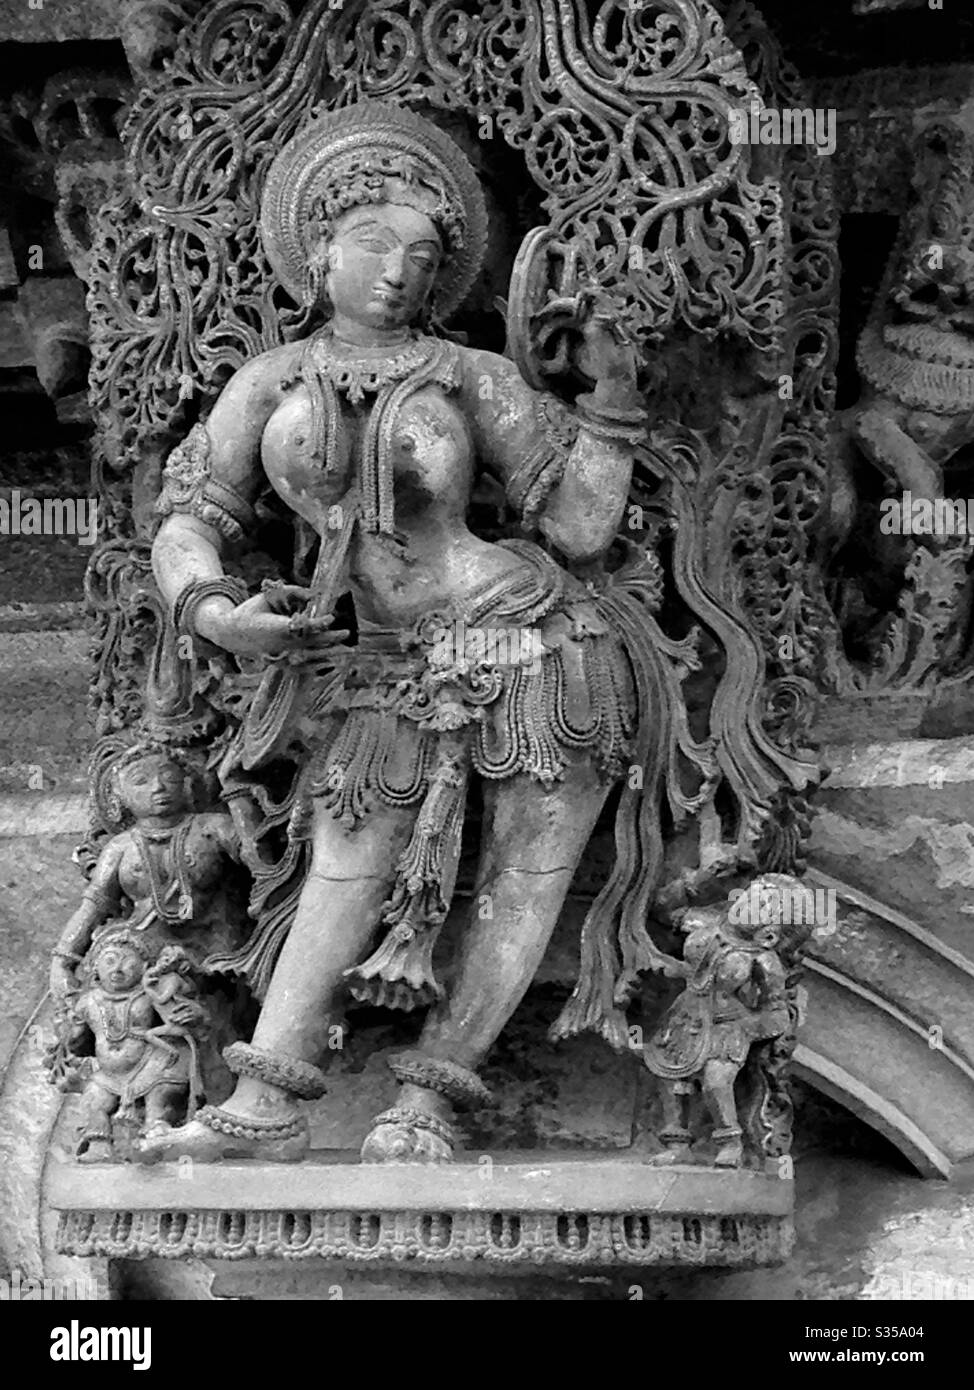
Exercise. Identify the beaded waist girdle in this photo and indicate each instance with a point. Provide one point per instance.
(525, 676)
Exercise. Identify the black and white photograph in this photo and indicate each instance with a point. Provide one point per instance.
(486, 672)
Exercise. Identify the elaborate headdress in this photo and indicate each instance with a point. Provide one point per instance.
(121, 936)
(371, 153)
(116, 753)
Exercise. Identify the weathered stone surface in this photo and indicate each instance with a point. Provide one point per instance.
(38, 883)
(45, 733)
(53, 311)
(864, 1229)
(15, 347)
(545, 1208)
(893, 843)
(877, 109)
(911, 763)
(575, 1093)
(38, 886)
(9, 278)
(149, 30)
(44, 21)
(924, 1253)
(909, 846)
(46, 568)
(548, 1180)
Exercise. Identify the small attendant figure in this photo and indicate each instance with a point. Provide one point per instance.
(737, 995)
(144, 1022)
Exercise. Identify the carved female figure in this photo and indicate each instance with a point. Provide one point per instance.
(168, 866)
(373, 431)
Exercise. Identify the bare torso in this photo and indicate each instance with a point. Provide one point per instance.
(439, 561)
(202, 851)
(119, 1023)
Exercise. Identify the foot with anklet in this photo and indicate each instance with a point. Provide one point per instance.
(420, 1127)
(262, 1119)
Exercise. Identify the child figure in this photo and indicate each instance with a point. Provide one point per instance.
(145, 1023)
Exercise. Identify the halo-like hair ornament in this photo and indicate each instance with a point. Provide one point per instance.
(368, 153)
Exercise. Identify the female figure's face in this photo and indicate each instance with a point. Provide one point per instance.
(383, 260)
(153, 786)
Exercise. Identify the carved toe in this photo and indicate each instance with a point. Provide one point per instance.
(730, 1155)
(96, 1151)
(667, 1157)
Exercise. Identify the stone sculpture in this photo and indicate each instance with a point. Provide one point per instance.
(144, 1023)
(915, 417)
(167, 864)
(740, 995)
(403, 653)
(370, 430)
(127, 968)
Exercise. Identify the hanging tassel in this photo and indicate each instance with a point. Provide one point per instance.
(399, 974)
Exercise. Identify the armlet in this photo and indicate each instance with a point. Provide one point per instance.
(102, 898)
(540, 472)
(189, 490)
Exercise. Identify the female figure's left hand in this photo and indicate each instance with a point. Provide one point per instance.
(606, 356)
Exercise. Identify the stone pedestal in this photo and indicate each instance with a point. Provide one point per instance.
(550, 1212)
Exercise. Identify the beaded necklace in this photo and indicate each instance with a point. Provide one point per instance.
(161, 892)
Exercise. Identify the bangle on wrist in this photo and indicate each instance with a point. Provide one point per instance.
(189, 599)
(611, 422)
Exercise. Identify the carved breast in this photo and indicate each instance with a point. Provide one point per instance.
(431, 457)
(433, 463)
(305, 481)
(202, 866)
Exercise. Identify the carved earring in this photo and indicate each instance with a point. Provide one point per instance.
(312, 286)
(316, 281)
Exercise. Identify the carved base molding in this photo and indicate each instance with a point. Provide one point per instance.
(596, 1239)
(571, 1213)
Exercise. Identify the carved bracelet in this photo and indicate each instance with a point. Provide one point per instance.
(190, 598)
(611, 422)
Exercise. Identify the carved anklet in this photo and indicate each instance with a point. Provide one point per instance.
(244, 1127)
(406, 1116)
(298, 1078)
(720, 1136)
(458, 1084)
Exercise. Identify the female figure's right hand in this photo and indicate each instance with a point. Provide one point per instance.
(61, 980)
(259, 627)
